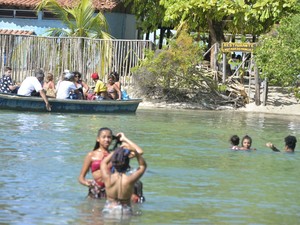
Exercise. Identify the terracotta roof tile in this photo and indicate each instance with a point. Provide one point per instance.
(17, 32)
(102, 5)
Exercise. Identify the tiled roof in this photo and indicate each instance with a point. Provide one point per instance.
(102, 5)
(17, 32)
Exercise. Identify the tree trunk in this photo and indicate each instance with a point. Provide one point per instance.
(257, 86)
(147, 35)
(216, 32)
(161, 37)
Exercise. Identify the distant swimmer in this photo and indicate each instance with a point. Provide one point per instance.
(246, 143)
(290, 144)
(234, 141)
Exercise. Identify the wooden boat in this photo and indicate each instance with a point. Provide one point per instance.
(24, 103)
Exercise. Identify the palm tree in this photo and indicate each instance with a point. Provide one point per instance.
(79, 20)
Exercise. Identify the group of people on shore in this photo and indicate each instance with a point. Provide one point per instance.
(70, 86)
(290, 143)
(113, 178)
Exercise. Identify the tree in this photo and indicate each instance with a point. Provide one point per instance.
(278, 52)
(232, 16)
(150, 17)
(79, 20)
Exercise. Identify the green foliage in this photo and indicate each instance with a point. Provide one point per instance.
(79, 20)
(222, 88)
(278, 52)
(169, 68)
(149, 14)
(252, 16)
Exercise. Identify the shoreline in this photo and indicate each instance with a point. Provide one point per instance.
(280, 101)
(282, 109)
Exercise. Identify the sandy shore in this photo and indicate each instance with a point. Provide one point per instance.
(279, 102)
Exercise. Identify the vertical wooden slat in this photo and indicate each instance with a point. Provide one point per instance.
(25, 53)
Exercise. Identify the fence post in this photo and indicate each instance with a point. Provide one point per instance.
(265, 92)
(257, 86)
(224, 68)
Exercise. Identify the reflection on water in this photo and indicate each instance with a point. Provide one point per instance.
(192, 176)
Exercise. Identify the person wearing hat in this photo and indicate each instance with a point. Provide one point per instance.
(32, 86)
(67, 88)
(100, 90)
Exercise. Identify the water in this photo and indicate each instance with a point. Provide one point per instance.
(192, 176)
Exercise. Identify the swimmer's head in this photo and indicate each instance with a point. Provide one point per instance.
(290, 142)
(234, 140)
(247, 141)
(120, 159)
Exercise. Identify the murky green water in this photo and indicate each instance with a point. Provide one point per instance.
(192, 176)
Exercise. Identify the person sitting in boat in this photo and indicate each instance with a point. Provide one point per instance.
(100, 90)
(67, 88)
(117, 79)
(49, 86)
(32, 86)
(290, 144)
(81, 85)
(6, 84)
(113, 89)
(119, 185)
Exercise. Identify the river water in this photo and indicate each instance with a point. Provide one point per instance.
(192, 176)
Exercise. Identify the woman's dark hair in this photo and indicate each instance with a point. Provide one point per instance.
(247, 137)
(77, 73)
(116, 75)
(117, 142)
(235, 140)
(120, 160)
(97, 145)
(290, 141)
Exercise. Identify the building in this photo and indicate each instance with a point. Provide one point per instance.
(21, 15)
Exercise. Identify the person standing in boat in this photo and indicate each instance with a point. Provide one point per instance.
(6, 84)
(290, 144)
(32, 86)
(120, 185)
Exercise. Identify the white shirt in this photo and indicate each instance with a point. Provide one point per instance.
(64, 89)
(29, 85)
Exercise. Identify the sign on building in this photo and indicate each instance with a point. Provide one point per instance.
(237, 47)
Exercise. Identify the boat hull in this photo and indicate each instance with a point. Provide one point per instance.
(36, 104)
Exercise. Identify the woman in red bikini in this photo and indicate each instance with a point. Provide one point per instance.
(94, 158)
(92, 162)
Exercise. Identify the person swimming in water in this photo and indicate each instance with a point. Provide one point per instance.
(290, 144)
(234, 141)
(246, 143)
(119, 184)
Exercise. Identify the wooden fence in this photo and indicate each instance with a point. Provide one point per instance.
(86, 55)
